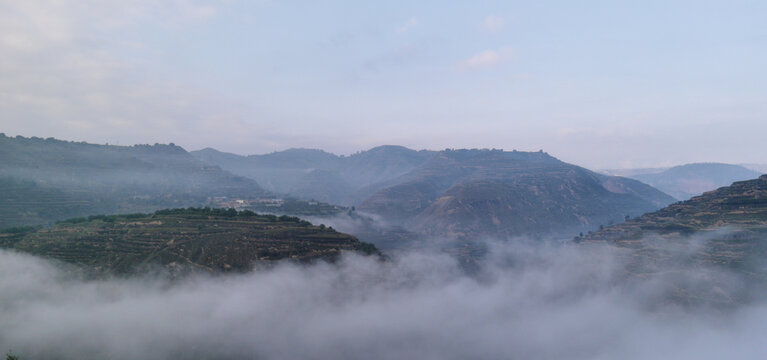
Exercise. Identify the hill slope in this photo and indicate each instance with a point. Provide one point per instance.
(315, 174)
(686, 181)
(210, 239)
(80, 179)
(718, 233)
(465, 193)
(24, 202)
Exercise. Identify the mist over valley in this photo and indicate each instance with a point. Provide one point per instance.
(291, 180)
(464, 253)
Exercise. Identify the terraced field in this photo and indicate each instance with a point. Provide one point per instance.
(214, 240)
(719, 239)
(24, 202)
(743, 204)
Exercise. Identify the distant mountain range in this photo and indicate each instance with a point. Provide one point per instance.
(685, 181)
(456, 194)
(722, 230)
(395, 197)
(43, 180)
(212, 240)
(316, 174)
(453, 193)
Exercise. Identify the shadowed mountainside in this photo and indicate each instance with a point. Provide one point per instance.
(213, 240)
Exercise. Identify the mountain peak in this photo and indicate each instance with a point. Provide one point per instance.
(304, 151)
(461, 193)
(389, 147)
(208, 149)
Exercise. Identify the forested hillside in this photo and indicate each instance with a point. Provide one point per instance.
(49, 179)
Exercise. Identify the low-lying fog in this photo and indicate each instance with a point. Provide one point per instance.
(528, 302)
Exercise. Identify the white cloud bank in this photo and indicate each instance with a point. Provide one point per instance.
(530, 303)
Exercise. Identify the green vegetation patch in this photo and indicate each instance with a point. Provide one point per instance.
(211, 239)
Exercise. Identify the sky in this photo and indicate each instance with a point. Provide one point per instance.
(602, 84)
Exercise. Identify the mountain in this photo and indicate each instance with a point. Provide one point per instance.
(382, 163)
(686, 181)
(24, 202)
(469, 193)
(323, 185)
(278, 172)
(632, 172)
(742, 204)
(214, 240)
(316, 174)
(719, 237)
(760, 168)
(454, 193)
(49, 179)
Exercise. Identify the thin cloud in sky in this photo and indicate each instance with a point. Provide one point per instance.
(204, 12)
(61, 79)
(406, 26)
(492, 23)
(486, 59)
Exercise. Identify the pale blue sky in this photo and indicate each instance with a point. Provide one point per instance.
(596, 83)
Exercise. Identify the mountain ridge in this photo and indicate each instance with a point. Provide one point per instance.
(290, 171)
(688, 180)
(105, 179)
(462, 192)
